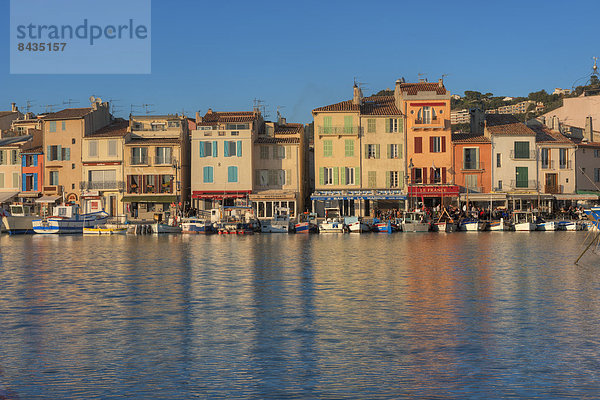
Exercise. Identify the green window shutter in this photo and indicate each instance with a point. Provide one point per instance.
(48, 154)
(400, 125)
(59, 152)
(68, 154)
(349, 147)
(322, 176)
(387, 179)
(52, 126)
(336, 176)
(343, 175)
(389, 151)
(357, 177)
(327, 148)
(371, 126)
(387, 125)
(400, 152)
(288, 176)
(327, 128)
(215, 148)
(288, 152)
(239, 148)
(377, 147)
(348, 124)
(401, 179)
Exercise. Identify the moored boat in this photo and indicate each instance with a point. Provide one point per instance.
(356, 225)
(280, 223)
(159, 228)
(570, 226)
(415, 222)
(67, 219)
(500, 225)
(306, 223)
(19, 219)
(194, 225)
(547, 226)
(470, 225)
(523, 221)
(333, 223)
(384, 226)
(106, 229)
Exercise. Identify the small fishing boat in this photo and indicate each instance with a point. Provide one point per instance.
(415, 222)
(356, 225)
(470, 225)
(19, 219)
(67, 219)
(523, 221)
(500, 225)
(280, 223)
(333, 223)
(306, 223)
(235, 228)
(160, 227)
(106, 229)
(547, 226)
(384, 226)
(570, 226)
(195, 225)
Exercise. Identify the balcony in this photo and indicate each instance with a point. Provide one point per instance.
(143, 161)
(523, 185)
(433, 121)
(148, 161)
(553, 189)
(102, 185)
(523, 155)
(473, 166)
(548, 164)
(338, 130)
(565, 165)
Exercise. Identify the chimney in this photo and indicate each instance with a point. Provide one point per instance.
(589, 129)
(198, 118)
(398, 93)
(209, 111)
(13, 107)
(357, 98)
(440, 82)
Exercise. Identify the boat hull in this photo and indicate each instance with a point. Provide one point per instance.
(65, 226)
(359, 227)
(15, 225)
(525, 227)
(547, 226)
(415, 227)
(196, 228)
(305, 227)
(163, 228)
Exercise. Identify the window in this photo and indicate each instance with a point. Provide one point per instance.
(327, 148)
(327, 127)
(230, 127)
(166, 183)
(545, 158)
(328, 176)
(348, 124)
(72, 166)
(393, 180)
(112, 148)
(150, 184)
(208, 149)
(173, 124)
(208, 174)
(596, 174)
(348, 176)
(349, 147)
(264, 152)
(54, 153)
(93, 148)
(272, 177)
(391, 125)
(393, 151)
(139, 155)
(436, 175)
(14, 157)
(16, 179)
(563, 158)
(158, 126)
(235, 133)
(73, 141)
(417, 175)
(232, 174)
(418, 144)
(597, 153)
(372, 151)
(2, 157)
(471, 182)
(281, 175)
(64, 125)
(66, 154)
(163, 155)
(521, 150)
(499, 185)
(52, 126)
(498, 160)
(435, 144)
(425, 115)
(372, 179)
(470, 158)
(278, 152)
(371, 127)
(54, 178)
(103, 179)
(522, 177)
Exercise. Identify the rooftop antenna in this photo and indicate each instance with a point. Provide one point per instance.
(28, 105)
(147, 109)
(595, 67)
(50, 107)
(260, 106)
(69, 102)
(113, 107)
(421, 76)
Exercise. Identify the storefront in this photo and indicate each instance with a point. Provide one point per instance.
(358, 203)
(432, 195)
(208, 200)
(266, 204)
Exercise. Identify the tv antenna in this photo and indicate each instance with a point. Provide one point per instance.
(113, 107)
(69, 102)
(50, 107)
(147, 108)
(260, 106)
(28, 105)
(421, 75)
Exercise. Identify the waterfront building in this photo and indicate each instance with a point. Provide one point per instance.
(27, 122)
(426, 106)
(587, 170)
(156, 166)
(359, 154)
(63, 135)
(32, 166)
(472, 163)
(10, 166)
(7, 117)
(222, 158)
(102, 180)
(280, 153)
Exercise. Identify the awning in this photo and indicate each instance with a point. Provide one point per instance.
(530, 196)
(220, 195)
(272, 196)
(581, 197)
(434, 191)
(5, 196)
(150, 199)
(29, 194)
(48, 199)
(483, 197)
(359, 197)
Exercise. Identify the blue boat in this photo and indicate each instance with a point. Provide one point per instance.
(384, 226)
(67, 219)
(593, 215)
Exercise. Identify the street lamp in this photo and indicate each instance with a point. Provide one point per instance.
(176, 167)
(408, 175)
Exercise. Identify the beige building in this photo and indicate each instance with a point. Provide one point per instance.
(63, 136)
(156, 167)
(279, 169)
(7, 117)
(222, 158)
(10, 167)
(102, 181)
(576, 117)
(359, 155)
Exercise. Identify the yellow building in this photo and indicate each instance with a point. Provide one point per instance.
(359, 155)
(156, 167)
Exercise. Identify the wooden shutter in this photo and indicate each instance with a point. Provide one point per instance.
(35, 182)
(431, 140)
(444, 175)
(443, 144)
(366, 151)
(342, 175)
(357, 177)
(288, 177)
(387, 125)
(418, 145)
(288, 152)
(424, 175)
(201, 149)
(377, 147)
(322, 176)
(389, 151)
(226, 148)
(431, 175)
(336, 176)
(387, 179)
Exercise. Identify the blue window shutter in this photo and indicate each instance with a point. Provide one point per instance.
(23, 182)
(64, 125)
(23, 162)
(229, 174)
(201, 149)
(52, 126)
(226, 148)
(239, 148)
(204, 174)
(35, 161)
(59, 152)
(210, 173)
(35, 182)
(68, 154)
(235, 172)
(215, 149)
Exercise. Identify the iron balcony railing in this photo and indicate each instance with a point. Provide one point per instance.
(473, 166)
(518, 184)
(338, 130)
(548, 164)
(522, 155)
(565, 165)
(102, 185)
(553, 189)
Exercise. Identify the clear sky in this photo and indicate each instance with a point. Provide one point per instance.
(305, 54)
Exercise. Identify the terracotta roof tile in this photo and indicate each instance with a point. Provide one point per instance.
(506, 124)
(373, 105)
(213, 118)
(469, 138)
(414, 88)
(68, 113)
(117, 128)
(36, 144)
(544, 134)
(5, 113)
(289, 129)
(281, 140)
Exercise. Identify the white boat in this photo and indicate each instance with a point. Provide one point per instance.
(19, 219)
(280, 223)
(570, 226)
(523, 221)
(67, 219)
(159, 227)
(415, 222)
(356, 225)
(547, 226)
(194, 225)
(499, 225)
(470, 225)
(333, 222)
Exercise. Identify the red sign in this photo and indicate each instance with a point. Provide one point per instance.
(427, 104)
(433, 191)
(217, 195)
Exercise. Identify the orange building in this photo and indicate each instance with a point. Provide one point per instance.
(472, 163)
(426, 106)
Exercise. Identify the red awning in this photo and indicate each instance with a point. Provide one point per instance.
(216, 195)
(434, 191)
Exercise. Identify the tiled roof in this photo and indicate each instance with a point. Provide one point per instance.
(595, 145)
(25, 121)
(289, 129)
(117, 128)
(469, 138)
(141, 140)
(373, 105)
(212, 118)
(279, 140)
(36, 144)
(506, 124)
(5, 113)
(15, 141)
(68, 113)
(414, 88)
(544, 134)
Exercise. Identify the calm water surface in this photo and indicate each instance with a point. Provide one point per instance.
(462, 315)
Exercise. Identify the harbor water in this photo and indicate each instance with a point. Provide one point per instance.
(463, 315)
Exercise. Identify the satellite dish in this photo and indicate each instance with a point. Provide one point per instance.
(92, 99)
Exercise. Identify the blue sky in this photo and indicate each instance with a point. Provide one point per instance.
(302, 55)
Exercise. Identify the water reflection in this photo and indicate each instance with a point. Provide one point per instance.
(295, 316)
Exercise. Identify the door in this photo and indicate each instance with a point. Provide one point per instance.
(113, 206)
(522, 177)
(551, 183)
